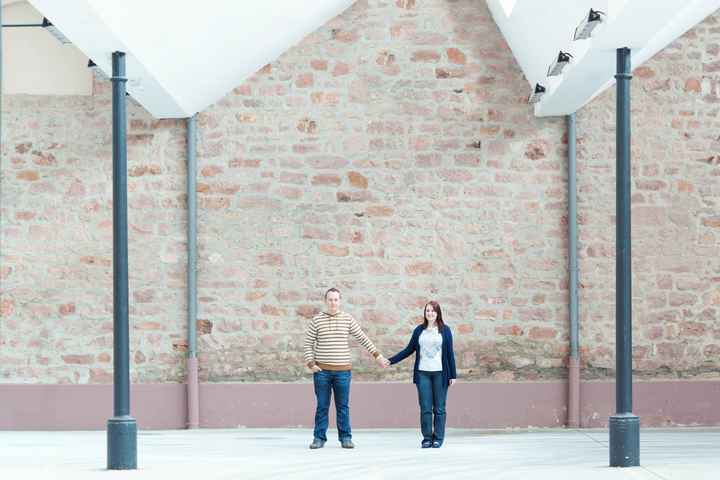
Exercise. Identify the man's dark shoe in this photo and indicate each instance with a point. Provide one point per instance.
(317, 443)
(437, 444)
(426, 444)
(347, 444)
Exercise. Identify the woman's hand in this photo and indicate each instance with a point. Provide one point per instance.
(452, 381)
(315, 369)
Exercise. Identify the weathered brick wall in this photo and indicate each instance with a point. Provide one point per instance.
(56, 265)
(675, 216)
(391, 154)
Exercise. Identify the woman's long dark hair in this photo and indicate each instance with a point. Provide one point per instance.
(439, 320)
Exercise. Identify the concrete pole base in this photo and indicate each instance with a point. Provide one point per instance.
(624, 440)
(122, 443)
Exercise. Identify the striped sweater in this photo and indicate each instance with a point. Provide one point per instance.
(326, 341)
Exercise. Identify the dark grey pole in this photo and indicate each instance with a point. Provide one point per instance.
(624, 425)
(122, 428)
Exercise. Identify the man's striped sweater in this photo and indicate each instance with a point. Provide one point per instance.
(326, 341)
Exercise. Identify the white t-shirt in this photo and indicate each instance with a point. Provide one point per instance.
(430, 350)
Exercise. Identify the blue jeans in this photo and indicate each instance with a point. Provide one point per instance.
(337, 382)
(432, 394)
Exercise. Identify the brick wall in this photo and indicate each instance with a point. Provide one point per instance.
(56, 265)
(391, 154)
(676, 265)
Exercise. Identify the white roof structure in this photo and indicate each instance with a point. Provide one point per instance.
(182, 56)
(537, 31)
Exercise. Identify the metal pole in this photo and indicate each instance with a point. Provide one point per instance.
(192, 364)
(574, 361)
(122, 428)
(624, 425)
(23, 25)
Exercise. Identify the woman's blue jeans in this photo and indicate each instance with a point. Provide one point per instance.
(337, 382)
(432, 394)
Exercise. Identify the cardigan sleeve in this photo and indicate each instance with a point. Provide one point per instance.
(405, 352)
(451, 355)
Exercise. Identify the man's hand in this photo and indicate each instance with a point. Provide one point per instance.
(315, 369)
(382, 361)
(452, 382)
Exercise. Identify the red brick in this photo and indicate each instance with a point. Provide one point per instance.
(542, 333)
(100, 375)
(644, 72)
(24, 215)
(425, 56)
(139, 357)
(272, 310)
(23, 147)
(326, 179)
(44, 159)
(252, 296)
(693, 85)
(420, 268)
(344, 36)
(456, 56)
(204, 327)
(340, 69)
(86, 359)
(357, 180)
(379, 211)
(307, 311)
(449, 73)
(465, 328)
(512, 330)
(405, 4)
(143, 296)
(147, 326)
(334, 251)
(713, 222)
(319, 64)
(7, 306)
(66, 309)
(211, 171)
(28, 175)
(305, 80)
(307, 126)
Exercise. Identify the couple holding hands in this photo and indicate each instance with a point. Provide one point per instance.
(327, 354)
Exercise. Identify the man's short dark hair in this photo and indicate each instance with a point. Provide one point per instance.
(333, 289)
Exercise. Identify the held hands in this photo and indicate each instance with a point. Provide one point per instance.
(382, 361)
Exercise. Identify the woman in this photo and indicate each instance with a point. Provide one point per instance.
(433, 373)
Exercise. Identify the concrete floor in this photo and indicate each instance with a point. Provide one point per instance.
(672, 454)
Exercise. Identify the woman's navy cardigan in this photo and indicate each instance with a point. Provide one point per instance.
(448, 356)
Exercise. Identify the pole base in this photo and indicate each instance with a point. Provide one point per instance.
(122, 443)
(624, 440)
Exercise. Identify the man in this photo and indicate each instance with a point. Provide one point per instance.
(327, 354)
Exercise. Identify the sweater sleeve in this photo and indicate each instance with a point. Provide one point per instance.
(362, 339)
(309, 345)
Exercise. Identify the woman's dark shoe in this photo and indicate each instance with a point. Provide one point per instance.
(347, 444)
(317, 443)
(426, 444)
(437, 444)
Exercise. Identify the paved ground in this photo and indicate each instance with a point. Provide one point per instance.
(245, 454)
